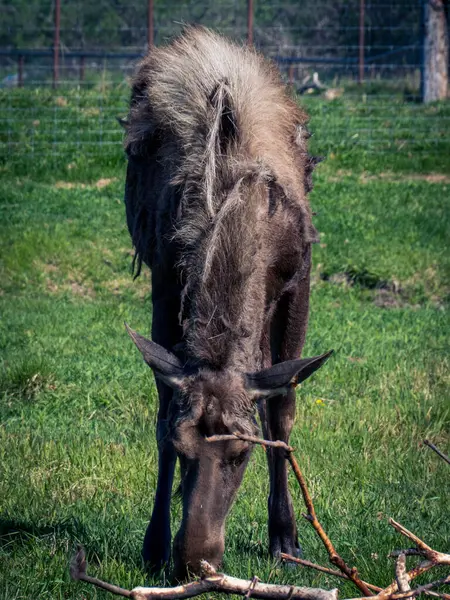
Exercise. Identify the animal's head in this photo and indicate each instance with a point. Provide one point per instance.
(208, 403)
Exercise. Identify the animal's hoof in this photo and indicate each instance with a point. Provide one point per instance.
(285, 546)
(155, 563)
(297, 552)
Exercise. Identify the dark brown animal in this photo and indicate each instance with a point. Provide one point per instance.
(216, 187)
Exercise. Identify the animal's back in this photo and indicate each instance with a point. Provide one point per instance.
(179, 82)
(204, 113)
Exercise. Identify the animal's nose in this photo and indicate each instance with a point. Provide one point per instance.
(188, 552)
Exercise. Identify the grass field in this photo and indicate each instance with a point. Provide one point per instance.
(78, 406)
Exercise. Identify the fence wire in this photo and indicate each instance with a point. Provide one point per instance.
(356, 66)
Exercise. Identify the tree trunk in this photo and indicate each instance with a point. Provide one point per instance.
(435, 51)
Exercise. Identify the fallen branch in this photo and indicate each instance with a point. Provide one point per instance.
(434, 558)
(436, 449)
(210, 582)
(311, 565)
(422, 589)
(400, 573)
(407, 552)
(249, 438)
(78, 566)
(335, 558)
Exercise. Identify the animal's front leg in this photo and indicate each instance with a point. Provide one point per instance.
(288, 331)
(282, 526)
(157, 541)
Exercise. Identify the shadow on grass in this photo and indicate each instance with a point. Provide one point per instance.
(16, 532)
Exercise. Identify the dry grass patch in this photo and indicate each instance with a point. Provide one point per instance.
(99, 184)
(74, 285)
(389, 176)
(398, 178)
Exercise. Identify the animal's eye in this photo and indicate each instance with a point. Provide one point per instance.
(237, 460)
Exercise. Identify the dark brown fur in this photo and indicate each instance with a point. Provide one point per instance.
(216, 205)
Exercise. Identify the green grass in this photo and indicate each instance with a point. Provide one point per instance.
(78, 406)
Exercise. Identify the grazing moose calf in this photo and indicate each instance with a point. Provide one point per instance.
(216, 187)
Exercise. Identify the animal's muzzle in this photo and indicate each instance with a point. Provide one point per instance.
(190, 550)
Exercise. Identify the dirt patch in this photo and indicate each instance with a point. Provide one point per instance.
(396, 177)
(340, 174)
(80, 289)
(45, 267)
(384, 293)
(433, 178)
(118, 286)
(391, 299)
(99, 185)
(51, 286)
(90, 112)
(68, 185)
(363, 278)
(75, 287)
(61, 101)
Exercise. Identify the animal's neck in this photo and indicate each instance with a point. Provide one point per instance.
(226, 308)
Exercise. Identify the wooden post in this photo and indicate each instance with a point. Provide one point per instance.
(150, 26)
(82, 67)
(291, 74)
(361, 41)
(435, 52)
(20, 71)
(250, 22)
(56, 43)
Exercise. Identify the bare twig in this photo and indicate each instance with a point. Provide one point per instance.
(422, 589)
(78, 567)
(311, 565)
(434, 557)
(335, 559)
(251, 587)
(211, 582)
(400, 574)
(249, 438)
(438, 452)
(407, 552)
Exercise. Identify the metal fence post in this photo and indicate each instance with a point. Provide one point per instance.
(82, 67)
(250, 22)
(20, 71)
(56, 43)
(291, 74)
(150, 26)
(361, 41)
(423, 17)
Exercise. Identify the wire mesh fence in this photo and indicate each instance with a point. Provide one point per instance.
(357, 65)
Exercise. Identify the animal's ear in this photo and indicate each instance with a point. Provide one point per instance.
(278, 379)
(165, 365)
(123, 122)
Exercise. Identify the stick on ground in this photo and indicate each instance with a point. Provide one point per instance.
(436, 449)
(335, 558)
(212, 582)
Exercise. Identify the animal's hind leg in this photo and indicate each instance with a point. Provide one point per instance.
(287, 339)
